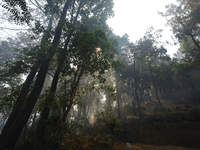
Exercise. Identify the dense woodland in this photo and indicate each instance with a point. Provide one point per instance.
(68, 74)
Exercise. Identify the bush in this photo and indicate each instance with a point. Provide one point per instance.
(57, 131)
(111, 122)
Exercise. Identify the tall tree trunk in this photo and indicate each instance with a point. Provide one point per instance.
(135, 81)
(160, 92)
(34, 118)
(133, 107)
(193, 89)
(79, 111)
(88, 109)
(118, 107)
(15, 130)
(74, 87)
(25, 88)
(20, 102)
(155, 86)
(141, 95)
(85, 105)
(45, 113)
(125, 111)
(98, 101)
(195, 42)
(24, 134)
(149, 95)
(84, 110)
(118, 96)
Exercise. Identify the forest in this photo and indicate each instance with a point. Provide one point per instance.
(68, 82)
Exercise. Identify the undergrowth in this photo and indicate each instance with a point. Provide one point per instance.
(172, 121)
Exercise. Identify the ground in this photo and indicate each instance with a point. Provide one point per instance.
(136, 146)
(186, 134)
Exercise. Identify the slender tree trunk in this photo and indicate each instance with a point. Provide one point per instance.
(135, 81)
(88, 109)
(12, 136)
(155, 86)
(160, 92)
(24, 136)
(72, 94)
(142, 100)
(34, 118)
(193, 89)
(125, 111)
(25, 89)
(79, 111)
(45, 113)
(118, 107)
(149, 95)
(133, 107)
(118, 97)
(98, 103)
(108, 101)
(195, 42)
(84, 111)
(19, 103)
(85, 106)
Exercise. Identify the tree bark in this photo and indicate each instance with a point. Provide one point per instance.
(24, 90)
(155, 86)
(149, 95)
(135, 81)
(118, 97)
(161, 92)
(45, 113)
(118, 108)
(141, 95)
(193, 89)
(195, 42)
(72, 94)
(13, 134)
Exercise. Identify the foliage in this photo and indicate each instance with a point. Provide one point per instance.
(57, 131)
(85, 142)
(109, 89)
(20, 16)
(88, 51)
(84, 47)
(173, 121)
(111, 122)
(75, 124)
(8, 99)
(184, 20)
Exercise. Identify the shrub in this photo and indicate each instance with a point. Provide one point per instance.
(57, 131)
(110, 121)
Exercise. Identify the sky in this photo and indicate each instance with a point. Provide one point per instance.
(134, 17)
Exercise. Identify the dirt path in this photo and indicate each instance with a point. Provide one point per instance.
(135, 146)
(158, 147)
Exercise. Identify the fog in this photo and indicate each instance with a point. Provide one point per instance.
(75, 76)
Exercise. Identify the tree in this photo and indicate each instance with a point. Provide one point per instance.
(76, 9)
(150, 53)
(184, 20)
(14, 62)
(87, 59)
(31, 100)
(187, 76)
